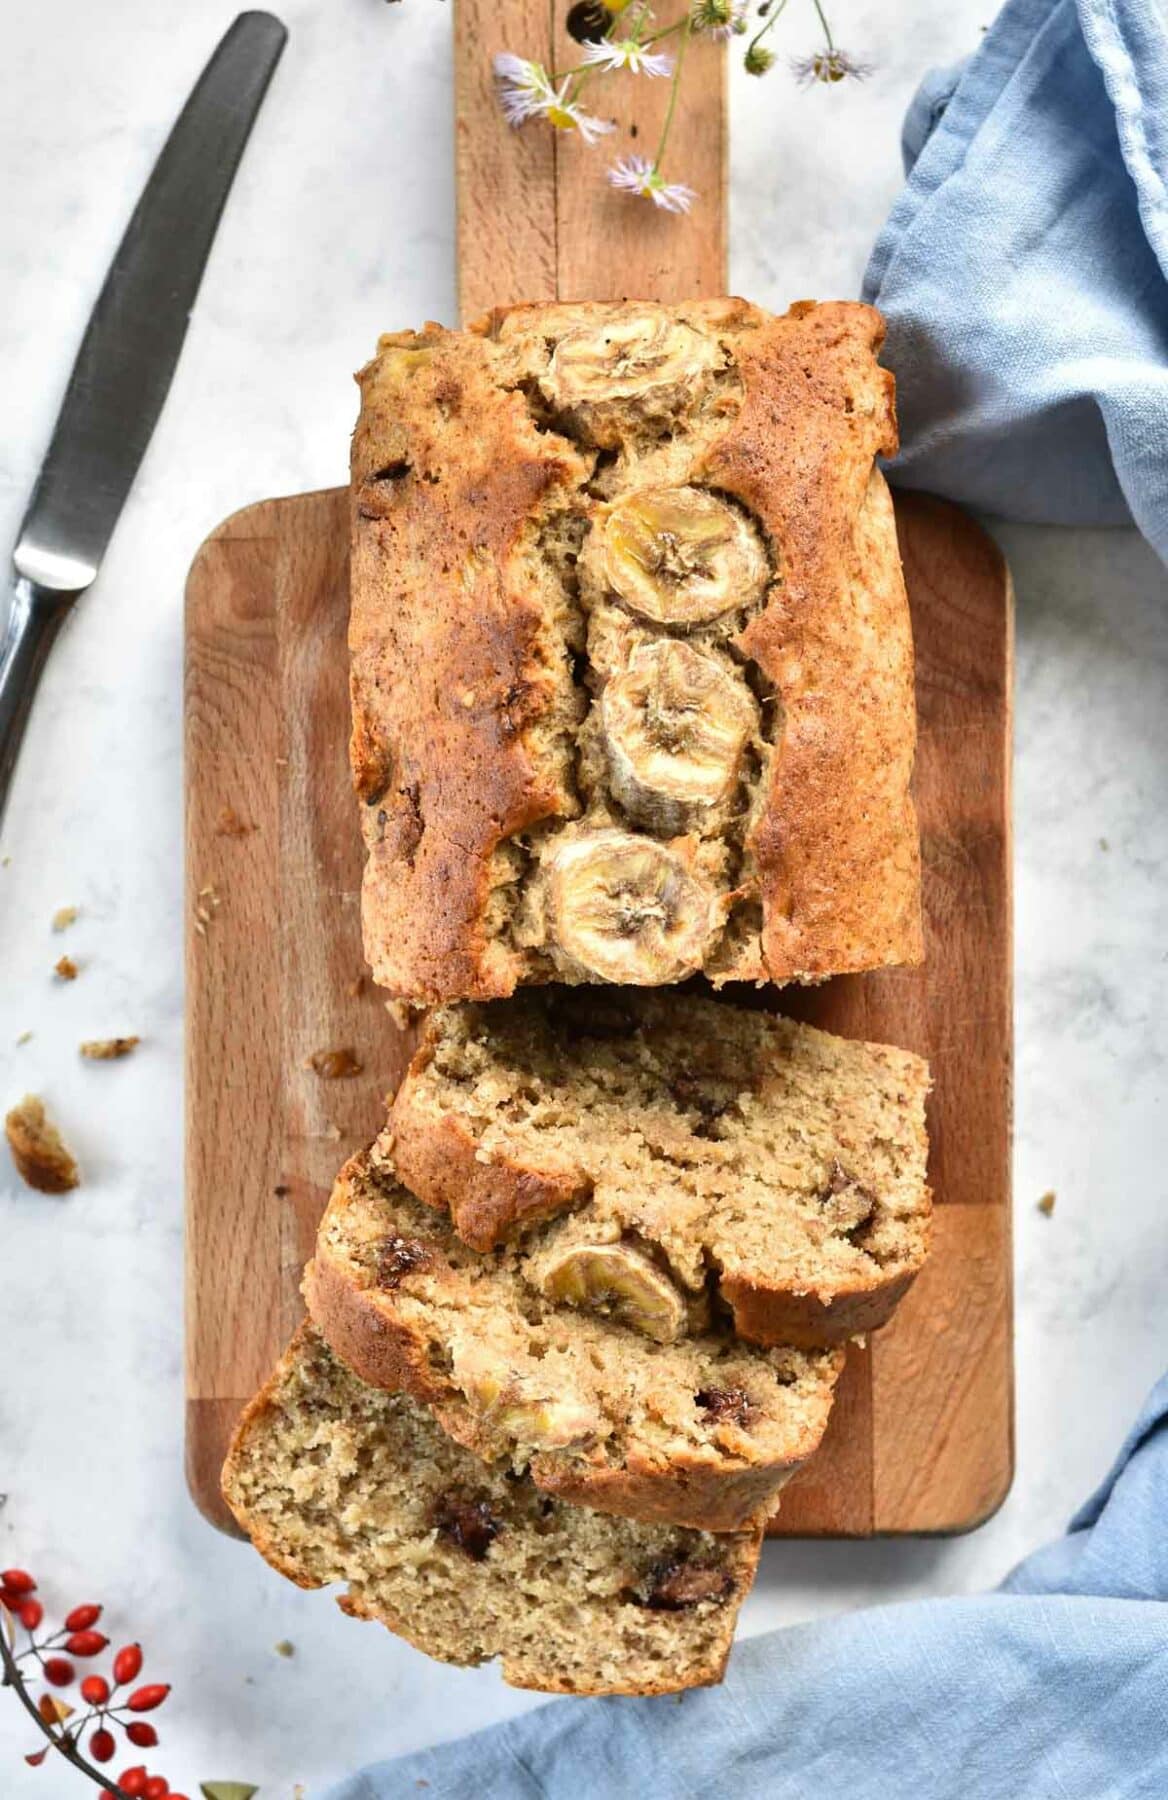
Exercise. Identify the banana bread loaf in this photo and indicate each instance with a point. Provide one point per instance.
(643, 1405)
(336, 1481)
(632, 676)
(785, 1165)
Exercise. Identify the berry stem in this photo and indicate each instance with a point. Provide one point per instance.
(64, 1744)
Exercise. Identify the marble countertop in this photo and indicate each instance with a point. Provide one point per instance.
(341, 224)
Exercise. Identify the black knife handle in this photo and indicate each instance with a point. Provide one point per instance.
(34, 619)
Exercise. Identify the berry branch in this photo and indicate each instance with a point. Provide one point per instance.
(105, 1713)
(615, 35)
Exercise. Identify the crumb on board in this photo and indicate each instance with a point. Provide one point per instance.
(108, 1049)
(207, 904)
(66, 968)
(357, 987)
(64, 917)
(229, 824)
(1046, 1204)
(38, 1150)
(334, 1065)
(403, 1014)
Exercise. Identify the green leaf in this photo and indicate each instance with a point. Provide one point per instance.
(227, 1790)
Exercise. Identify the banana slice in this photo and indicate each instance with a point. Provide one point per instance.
(512, 1404)
(677, 555)
(628, 909)
(637, 363)
(675, 725)
(618, 1280)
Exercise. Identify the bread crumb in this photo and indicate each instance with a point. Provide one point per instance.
(207, 904)
(37, 1149)
(334, 1065)
(5, 862)
(64, 917)
(231, 825)
(24, 1038)
(284, 1648)
(333, 1134)
(1103, 844)
(108, 1049)
(402, 1013)
(66, 968)
(1046, 1204)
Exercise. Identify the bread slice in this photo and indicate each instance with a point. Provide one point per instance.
(632, 664)
(647, 1409)
(785, 1164)
(336, 1481)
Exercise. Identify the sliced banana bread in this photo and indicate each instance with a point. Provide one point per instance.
(632, 672)
(650, 1407)
(786, 1165)
(336, 1481)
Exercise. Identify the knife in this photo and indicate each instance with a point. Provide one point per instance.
(126, 361)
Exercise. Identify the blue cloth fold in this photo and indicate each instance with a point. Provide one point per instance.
(1053, 1688)
(1024, 270)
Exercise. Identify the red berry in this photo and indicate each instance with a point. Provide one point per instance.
(108, 1794)
(35, 1758)
(127, 1663)
(82, 1617)
(30, 1614)
(95, 1689)
(102, 1745)
(145, 1699)
(58, 1670)
(133, 1781)
(142, 1733)
(176, 1797)
(18, 1581)
(156, 1788)
(86, 1643)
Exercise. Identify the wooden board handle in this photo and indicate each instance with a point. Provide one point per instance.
(537, 219)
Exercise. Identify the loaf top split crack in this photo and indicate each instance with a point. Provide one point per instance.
(335, 1481)
(632, 677)
(782, 1166)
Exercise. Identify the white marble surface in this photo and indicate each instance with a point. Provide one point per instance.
(341, 224)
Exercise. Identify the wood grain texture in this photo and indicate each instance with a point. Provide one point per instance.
(537, 218)
(922, 1437)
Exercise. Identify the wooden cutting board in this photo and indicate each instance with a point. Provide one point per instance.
(922, 1435)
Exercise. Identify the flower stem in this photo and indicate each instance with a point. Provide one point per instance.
(686, 34)
(826, 27)
(772, 18)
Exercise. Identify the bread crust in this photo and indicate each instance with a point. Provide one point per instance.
(461, 740)
(712, 1492)
(517, 1672)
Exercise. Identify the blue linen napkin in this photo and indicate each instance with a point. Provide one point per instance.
(1024, 270)
(1053, 1688)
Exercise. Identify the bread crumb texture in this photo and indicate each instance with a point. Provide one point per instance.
(109, 1049)
(608, 1405)
(38, 1149)
(632, 672)
(336, 1481)
(778, 1166)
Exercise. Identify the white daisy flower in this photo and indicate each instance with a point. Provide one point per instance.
(719, 19)
(637, 175)
(524, 88)
(628, 54)
(566, 115)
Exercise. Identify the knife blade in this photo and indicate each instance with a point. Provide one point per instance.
(126, 361)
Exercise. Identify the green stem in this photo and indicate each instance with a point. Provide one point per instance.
(687, 33)
(826, 27)
(772, 19)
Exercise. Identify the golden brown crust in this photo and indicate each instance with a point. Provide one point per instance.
(765, 1316)
(458, 667)
(448, 659)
